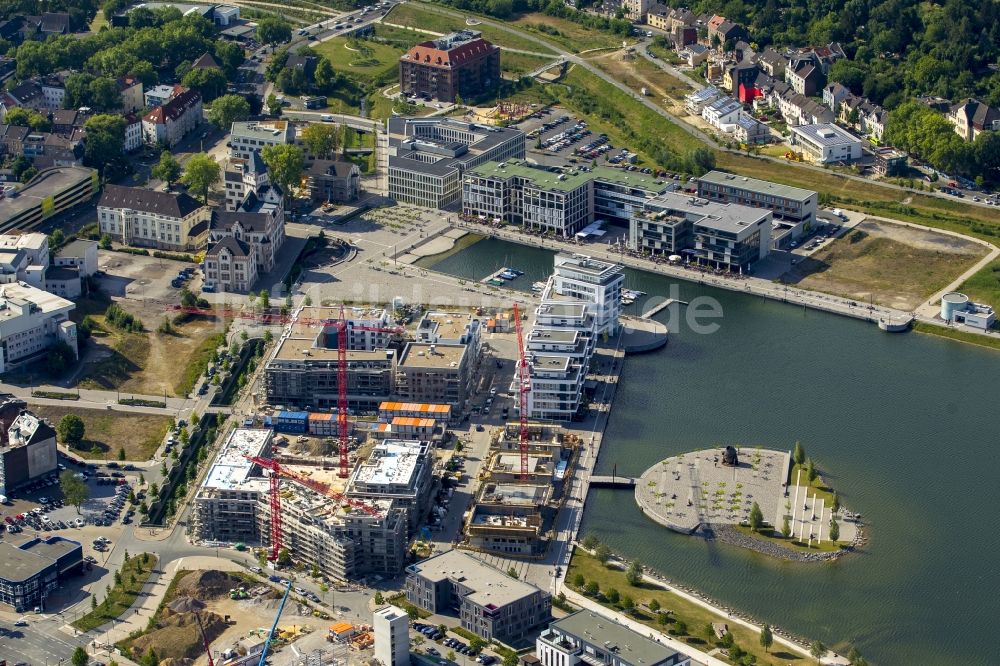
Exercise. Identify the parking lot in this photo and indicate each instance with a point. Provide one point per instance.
(136, 276)
(40, 506)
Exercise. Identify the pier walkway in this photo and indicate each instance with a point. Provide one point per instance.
(612, 482)
(660, 307)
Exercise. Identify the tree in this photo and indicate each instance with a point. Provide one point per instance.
(654, 605)
(154, 490)
(799, 454)
(602, 553)
(510, 659)
(836, 501)
(811, 470)
(284, 556)
(105, 242)
(105, 140)
(590, 542)
(766, 637)
(817, 650)
(512, 572)
(168, 169)
(210, 82)
(285, 162)
(74, 489)
(273, 30)
(379, 599)
(71, 430)
(451, 656)
(150, 658)
(104, 94)
(627, 603)
(80, 657)
(264, 300)
(321, 139)
(634, 573)
(756, 518)
(93, 602)
(579, 581)
(613, 596)
(681, 628)
(593, 588)
(268, 337)
(273, 105)
(227, 110)
(201, 173)
(853, 656)
(27, 118)
(786, 528)
(412, 612)
(834, 531)
(121, 453)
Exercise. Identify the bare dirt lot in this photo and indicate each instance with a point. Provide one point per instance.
(109, 431)
(892, 264)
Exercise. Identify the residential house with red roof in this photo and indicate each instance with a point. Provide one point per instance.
(462, 63)
(167, 124)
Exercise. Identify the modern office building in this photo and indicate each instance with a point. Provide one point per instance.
(399, 471)
(562, 203)
(427, 156)
(391, 627)
(727, 236)
(31, 320)
(436, 373)
(488, 602)
(595, 640)
(826, 143)
(147, 218)
(250, 136)
(458, 64)
(788, 204)
(595, 281)
(33, 569)
(957, 308)
(27, 451)
(50, 192)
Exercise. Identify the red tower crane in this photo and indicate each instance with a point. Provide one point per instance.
(523, 388)
(277, 473)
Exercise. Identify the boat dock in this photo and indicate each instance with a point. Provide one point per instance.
(661, 306)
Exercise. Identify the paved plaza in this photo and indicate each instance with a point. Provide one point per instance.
(691, 489)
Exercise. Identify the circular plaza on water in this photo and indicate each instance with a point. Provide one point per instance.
(719, 486)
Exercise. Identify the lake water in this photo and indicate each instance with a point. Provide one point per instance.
(903, 426)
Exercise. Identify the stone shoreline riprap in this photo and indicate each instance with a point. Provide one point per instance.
(731, 535)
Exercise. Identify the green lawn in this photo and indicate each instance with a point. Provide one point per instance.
(134, 575)
(817, 488)
(363, 58)
(516, 64)
(108, 431)
(197, 362)
(422, 17)
(961, 336)
(571, 36)
(984, 286)
(695, 617)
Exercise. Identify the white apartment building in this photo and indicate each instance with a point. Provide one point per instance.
(392, 636)
(826, 143)
(597, 282)
(558, 348)
(31, 320)
(145, 218)
(133, 133)
(636, 10)
(167, 124)
(251, 136)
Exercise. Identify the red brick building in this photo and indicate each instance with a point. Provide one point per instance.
(462, 63)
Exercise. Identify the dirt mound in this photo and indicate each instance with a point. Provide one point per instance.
(177, 637)
(206, 585)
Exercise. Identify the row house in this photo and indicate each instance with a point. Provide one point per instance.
(805, 77)
(44, 149)
(679, 24)
(772, 63)
(26, 95)
(862, 115)
(67, 121)
(19, 29)
(166, 125)
(133, 133)
(725, 30)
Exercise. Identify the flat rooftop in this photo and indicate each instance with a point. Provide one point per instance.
(582, 263)
(418, 355)
(391, 463)
(423, 408)
(825, 134)
(755, 185)
(305, 349)
(729, 217)
(492, 587)
(450, 325)
(20, 564)
(567, 181)
(543, 363)
(19, 292)
(556, 335)
(231, 468)
(630, 646)
(568, 309)
(515, 494)
(48, 183)
(511, 462)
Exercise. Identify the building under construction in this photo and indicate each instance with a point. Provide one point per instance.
(345, 540)
(514, 508)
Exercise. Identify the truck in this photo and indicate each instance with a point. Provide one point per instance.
(644, 91)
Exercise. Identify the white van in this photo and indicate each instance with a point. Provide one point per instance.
(3, 499)
(326, 118)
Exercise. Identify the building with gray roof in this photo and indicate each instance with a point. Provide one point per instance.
(826, 143)
(33, 569)
(595, 640)
(791, 204)
(427, 156)
(489, 603)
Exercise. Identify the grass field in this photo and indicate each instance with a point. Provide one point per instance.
(960, 336)
(984, 286)
(892, 264)
(637, 73)
(422, 17)
(571, 36)
(370, 58)
(134, 575)
(696, 618)
(110, 430)
(516, 64)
